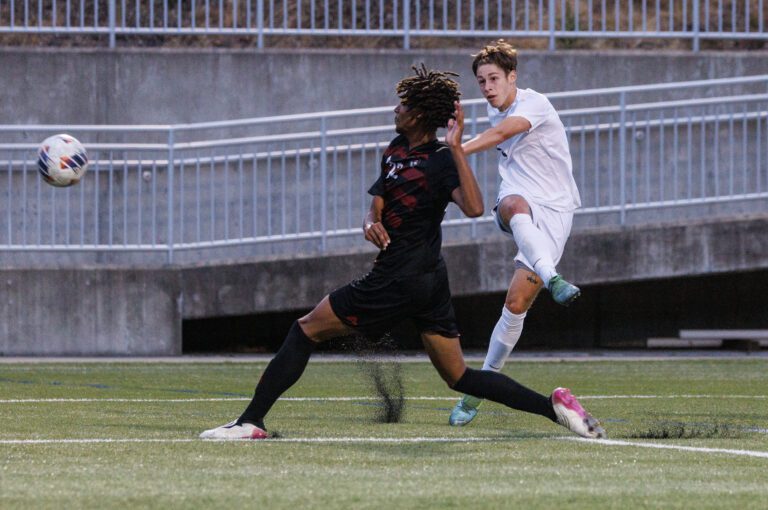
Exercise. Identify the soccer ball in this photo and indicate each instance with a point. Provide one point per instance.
(62, 160)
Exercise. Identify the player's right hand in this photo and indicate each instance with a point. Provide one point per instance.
(376, 234)
(455, 128)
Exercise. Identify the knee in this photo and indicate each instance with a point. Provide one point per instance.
(453, 379)
(511, 205)
(310, 326)
(305, 320)
(517, 305)
(451, 374)
(506, 210)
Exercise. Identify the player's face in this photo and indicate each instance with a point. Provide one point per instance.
(498, 88)
(405, 119)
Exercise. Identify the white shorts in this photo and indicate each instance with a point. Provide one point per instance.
(556, 226)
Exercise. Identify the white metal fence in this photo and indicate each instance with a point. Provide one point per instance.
(298, 183)
(553, 20)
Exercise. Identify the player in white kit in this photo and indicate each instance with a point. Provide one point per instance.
(536, 200)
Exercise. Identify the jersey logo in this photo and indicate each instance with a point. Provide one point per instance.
(502, 151)
(397, 166)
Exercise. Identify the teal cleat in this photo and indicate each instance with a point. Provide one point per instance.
(563, 293)
(465, 411)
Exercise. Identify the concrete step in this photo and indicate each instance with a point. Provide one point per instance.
(725, 334)
(748, 344)
(680, 343)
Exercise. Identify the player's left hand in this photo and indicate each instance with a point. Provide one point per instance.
(455, 127)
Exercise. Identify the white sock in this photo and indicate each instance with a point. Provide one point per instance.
(503, 339)
(533, 244)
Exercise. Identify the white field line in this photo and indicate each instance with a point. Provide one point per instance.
(393, 440)
(346, 399)
(222, 399)
(597, 397)
(612, 442)
(387, 440)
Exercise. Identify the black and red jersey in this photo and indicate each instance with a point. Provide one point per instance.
(416, 185)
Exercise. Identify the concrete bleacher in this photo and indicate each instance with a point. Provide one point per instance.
(743, 339)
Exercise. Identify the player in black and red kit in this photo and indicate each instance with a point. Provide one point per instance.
(419, 177)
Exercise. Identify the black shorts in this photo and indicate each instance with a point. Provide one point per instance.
(376, 303)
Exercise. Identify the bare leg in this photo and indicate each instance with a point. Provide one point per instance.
(322, 324)
(446, 356)
(523, 289)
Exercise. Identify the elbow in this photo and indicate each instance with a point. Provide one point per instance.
(475, 212)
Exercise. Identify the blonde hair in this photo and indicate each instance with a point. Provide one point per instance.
(499, 52)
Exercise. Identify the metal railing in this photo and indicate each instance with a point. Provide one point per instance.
(553, 20)
(298, 183)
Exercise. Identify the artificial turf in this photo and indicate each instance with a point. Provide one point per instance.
(117, 435)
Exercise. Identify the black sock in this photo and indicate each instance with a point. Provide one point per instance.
(281, 373)
(502, 389)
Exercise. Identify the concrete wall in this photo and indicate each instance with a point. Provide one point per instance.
(139, 312)
(591, 257)
(141, 86)
(89, 311)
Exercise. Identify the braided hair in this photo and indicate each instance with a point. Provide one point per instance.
(432, 93)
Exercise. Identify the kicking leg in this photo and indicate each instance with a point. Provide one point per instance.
(446, 356)
(561, 407)
(283, 371)
(515, 211)
(523, 289)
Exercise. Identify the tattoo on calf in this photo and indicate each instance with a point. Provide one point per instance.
(532, 278)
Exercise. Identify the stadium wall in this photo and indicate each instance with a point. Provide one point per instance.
(135, 311)
(68, 312)
(160, 86)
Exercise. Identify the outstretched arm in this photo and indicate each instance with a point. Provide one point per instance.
(492, 137)
(373, 229)
(467, 196)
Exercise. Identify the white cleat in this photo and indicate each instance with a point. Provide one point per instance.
(572, 416)
(232, 431)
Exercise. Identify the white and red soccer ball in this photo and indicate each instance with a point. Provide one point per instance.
(62, 160)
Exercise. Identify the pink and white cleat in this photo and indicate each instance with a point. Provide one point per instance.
(572, 416)
(232, 431)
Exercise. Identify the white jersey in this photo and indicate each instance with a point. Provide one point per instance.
(536, 164)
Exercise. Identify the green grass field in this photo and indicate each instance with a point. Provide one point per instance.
(683, 434)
